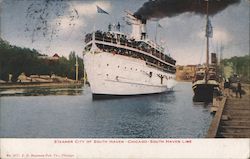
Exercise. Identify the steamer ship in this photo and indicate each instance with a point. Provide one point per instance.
(119, 64)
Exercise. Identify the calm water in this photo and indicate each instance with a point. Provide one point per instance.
(71, 113)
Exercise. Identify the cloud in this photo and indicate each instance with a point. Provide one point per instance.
(188, 55)
(76, 15)
(221, 35)
(66, 23)
(218, 35)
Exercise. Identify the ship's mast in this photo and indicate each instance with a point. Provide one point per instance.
(207, 36)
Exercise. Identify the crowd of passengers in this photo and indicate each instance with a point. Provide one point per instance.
(125, 52)
(123, 40)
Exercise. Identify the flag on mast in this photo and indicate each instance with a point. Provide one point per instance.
(159, 25)
(209, 29)
(100, 10)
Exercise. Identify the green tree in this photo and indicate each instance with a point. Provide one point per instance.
(240, 66)
(15, 60)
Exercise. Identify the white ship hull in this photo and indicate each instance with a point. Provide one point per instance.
(112, 74)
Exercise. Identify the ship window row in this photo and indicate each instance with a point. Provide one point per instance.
(150, 61)
(150, 73)
(123, 40)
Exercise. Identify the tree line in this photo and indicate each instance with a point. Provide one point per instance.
(16, 60)
(240, 66)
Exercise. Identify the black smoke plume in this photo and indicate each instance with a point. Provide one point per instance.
(157, 9)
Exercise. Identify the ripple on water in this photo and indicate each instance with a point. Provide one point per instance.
(71, 112)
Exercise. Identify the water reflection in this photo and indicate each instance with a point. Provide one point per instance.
(202, 104)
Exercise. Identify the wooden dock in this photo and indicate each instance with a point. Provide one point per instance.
(232, 119)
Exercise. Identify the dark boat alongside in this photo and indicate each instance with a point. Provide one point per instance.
(205, 81)
(205, 84)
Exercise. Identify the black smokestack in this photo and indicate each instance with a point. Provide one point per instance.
(168, 8)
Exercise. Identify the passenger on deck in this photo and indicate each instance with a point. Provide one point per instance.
(118, 27)
(109, 27)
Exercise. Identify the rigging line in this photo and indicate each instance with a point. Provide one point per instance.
(168, 51)
(156, 29)
(165, 46)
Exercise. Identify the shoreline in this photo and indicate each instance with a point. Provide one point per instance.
(38, 84)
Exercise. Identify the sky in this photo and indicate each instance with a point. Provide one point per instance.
(60, 26)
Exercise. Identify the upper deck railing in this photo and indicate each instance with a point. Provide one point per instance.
(121, 39)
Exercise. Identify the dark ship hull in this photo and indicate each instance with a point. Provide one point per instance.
(203, 92)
